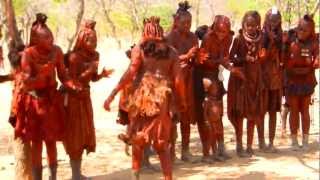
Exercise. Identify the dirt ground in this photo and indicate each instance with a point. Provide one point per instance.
(111, 163)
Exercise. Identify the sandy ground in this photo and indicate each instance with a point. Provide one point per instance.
(110, 162)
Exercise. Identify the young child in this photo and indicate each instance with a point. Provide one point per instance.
(302, 59)
(211, 108)
(246, 98)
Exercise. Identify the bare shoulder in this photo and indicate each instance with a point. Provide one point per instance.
(169, 36)
(72, 56)
(57, 49)
(28, 51)
(58, 53)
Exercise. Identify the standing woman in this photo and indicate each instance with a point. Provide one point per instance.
(153, 63)
(216, 43)
(246, 98)
(302, 60)
(186, 44)
(272, 70)
(41, 119)
(82, 64)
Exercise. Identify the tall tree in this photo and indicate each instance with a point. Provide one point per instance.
(107, 8)
(137, 10)
(79, 17)
(197, 11)
(211, 7)
(11, 23)
(299, 8)
(22, 150)
(316, 8)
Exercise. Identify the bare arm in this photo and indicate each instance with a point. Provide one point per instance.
(127, 77)
(192, 51)
(179, 85)
(63, 73)
(212, 61)
(5, 78)
(92, 70)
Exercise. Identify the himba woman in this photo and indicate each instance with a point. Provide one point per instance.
(302, 58)
(186, 44)
(246, 98)
(82, 64)
(43, 118)
(216, 43)
(153, 63)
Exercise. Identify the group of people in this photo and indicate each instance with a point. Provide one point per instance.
(170, 79)
(40, 111)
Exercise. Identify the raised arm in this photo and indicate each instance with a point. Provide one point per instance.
(188, 57)
(127, 77)
(104, 74)
(5, 78)
(212, 60)
(91, 73)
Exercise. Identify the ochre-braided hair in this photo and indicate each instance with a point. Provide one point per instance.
(152, 28)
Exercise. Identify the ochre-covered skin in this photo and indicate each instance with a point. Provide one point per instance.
(213, 53)
(123, 100)
(246, 99)
(154, 70)
(302, 58)
(82, 64)
(42, 115)
(272, 72)
(215, 43)
(186, 44)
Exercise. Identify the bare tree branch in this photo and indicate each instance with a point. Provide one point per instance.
(211, 7)
(12, 24)
(197, 12)
(78, 23)
(316, 8)
(106, 11)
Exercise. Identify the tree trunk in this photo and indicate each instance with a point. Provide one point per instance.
(279, 4)
(288, 11)
(22, 154)
(306, 4)
(211, 7)
(197, 12)
(28, 24)
(134, 16)
(22, 150)
(299, 9)
(78, 24)
(316, 8)
(11, 23)
(106, 13)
